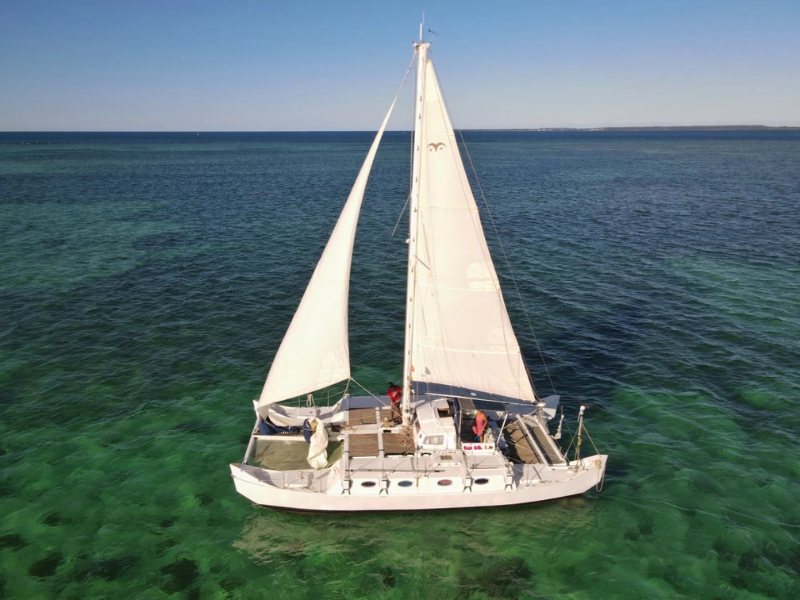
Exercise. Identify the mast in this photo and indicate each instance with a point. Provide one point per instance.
(422, 57)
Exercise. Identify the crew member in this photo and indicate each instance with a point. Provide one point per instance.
(395, 393)
(480, 425)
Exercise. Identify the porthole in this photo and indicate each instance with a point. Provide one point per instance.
(445, 482)
(481, 481)
(367, 484)
(405, 483)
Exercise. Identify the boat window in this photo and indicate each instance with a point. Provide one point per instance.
(481, 481)
(434, 440)
(405, 483)
(445, 482)
(367, 484)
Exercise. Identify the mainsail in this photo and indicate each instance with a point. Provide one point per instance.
(315, 351)
(462, 340)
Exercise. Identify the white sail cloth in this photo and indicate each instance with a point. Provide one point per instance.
(315, 350)
(462, 336)
(318, 446)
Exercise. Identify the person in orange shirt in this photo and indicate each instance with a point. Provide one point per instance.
(480, 425)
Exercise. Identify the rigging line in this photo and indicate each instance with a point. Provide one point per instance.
(402, 212)
(500, 242)
(590, 439)
(378, 398)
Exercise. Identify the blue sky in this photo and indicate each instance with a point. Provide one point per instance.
(271, 66)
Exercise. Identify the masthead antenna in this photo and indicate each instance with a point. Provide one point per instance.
(421, 25)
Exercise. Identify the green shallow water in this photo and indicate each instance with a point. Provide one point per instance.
(147, 280)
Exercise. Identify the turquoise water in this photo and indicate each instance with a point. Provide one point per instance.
(147, 280)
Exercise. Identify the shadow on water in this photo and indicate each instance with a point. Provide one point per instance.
(461, 552)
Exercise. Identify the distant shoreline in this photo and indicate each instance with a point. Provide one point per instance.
(656, 128)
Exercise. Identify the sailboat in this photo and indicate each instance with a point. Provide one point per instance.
(469, 430)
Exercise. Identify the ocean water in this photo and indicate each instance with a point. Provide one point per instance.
(147, 280)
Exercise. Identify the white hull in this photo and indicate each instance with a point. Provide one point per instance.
(250, 483)
(383, 477)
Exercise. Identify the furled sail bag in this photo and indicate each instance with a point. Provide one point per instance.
(318, 446)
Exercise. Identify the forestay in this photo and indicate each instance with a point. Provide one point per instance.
(462, 336)
(315, 350)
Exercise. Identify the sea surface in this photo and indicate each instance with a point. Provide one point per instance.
(146, 281)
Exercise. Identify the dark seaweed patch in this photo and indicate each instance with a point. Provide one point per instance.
(108, 569)
(504, 579)
(388, 577)
(229, 584)
(112, 568)
(671, 576)
(13, 541)
(164, 546)
(748, 561)
(180, 575)
(293, 556)
(52, 519)
(646, 525)
(722, 551)
(193, 594)
(46, 567)
(617, 470)
(739, 582)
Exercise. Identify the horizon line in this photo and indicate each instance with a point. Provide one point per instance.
(520, 129)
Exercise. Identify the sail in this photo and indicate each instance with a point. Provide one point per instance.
(315, 351)
(462, 340)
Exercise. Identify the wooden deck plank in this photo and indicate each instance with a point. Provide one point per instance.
(361, 416)
(393, 444)
(363, 444)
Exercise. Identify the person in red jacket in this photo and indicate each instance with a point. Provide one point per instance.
(395, 393)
